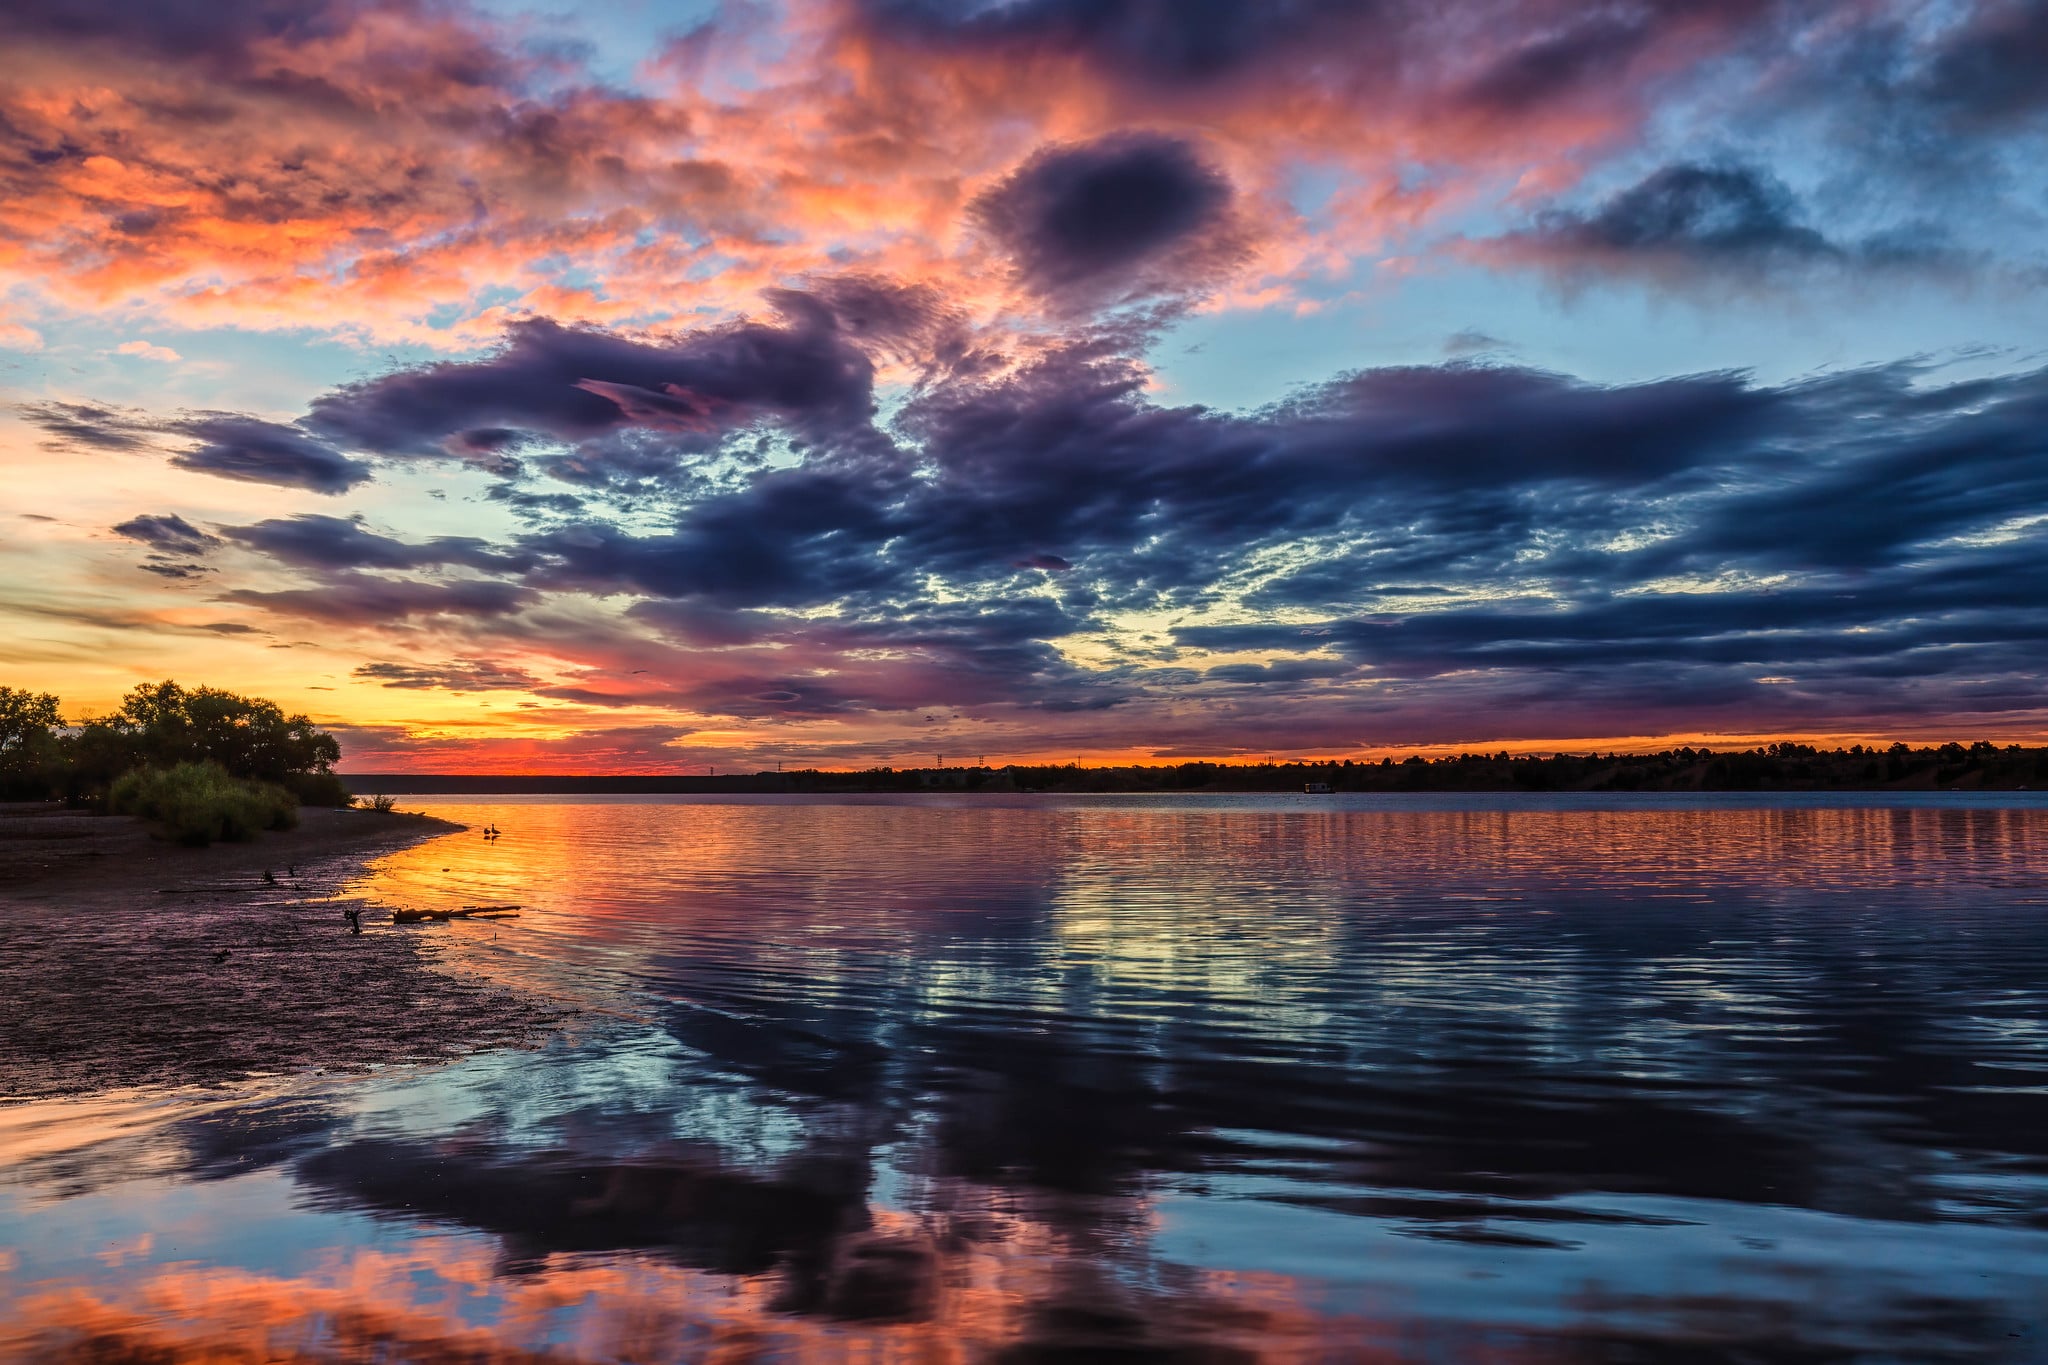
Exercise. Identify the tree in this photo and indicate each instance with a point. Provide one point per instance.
(28, 741)
(160, 725)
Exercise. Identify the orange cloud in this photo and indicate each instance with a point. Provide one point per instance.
(405, 174)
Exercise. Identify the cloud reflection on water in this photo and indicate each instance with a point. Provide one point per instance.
(1199, 1082)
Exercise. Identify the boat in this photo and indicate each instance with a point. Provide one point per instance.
(1316, 788)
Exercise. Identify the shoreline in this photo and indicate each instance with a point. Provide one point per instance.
(129, 962)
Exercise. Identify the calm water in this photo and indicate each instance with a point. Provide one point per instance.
(1132, 1080)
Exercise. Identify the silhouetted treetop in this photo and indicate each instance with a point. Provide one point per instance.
(162, 724)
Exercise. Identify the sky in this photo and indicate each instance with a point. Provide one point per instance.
(723, 383)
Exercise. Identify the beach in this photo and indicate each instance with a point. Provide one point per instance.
(128, 961)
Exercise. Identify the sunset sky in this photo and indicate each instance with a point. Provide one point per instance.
(842, 382)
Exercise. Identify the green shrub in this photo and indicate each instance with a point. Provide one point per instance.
(198, 803)
(319, 789)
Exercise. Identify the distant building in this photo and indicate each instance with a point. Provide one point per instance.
(1316, 788)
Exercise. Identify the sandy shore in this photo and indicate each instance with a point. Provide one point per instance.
(127, 961)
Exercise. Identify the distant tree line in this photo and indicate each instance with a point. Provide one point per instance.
(169, 748)
(1785, 766)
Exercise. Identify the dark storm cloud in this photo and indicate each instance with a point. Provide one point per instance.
(357, 599)
(1594, 49)
(1699, 210)
(790, 538)
(231, 445)
(1155, 505)
(1942, 464)
(255, 451)
(1486, 62)
(1511, 536)
(1167, 42)
(175, 545)
(465, 675)
(168, 533)
(1894, 562)
(236, 42)
(914, 323)
(983, 631)
(573, 383)
(864, 657)
(1961, 623)
(1066, 466)
(311, 541)
(1936, 113)
(1987, 70)
(88, 424)
(1691, 220)
(1122, 217)
(189, 30)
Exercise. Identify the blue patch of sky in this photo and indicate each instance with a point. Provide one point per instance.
(1622, 332)
(245, 371)
(617, 37)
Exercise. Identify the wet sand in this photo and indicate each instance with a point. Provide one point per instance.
(127, 961)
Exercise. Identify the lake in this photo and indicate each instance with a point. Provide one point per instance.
(1130, 1079)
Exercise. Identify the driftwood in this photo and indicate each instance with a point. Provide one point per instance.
(405, 916)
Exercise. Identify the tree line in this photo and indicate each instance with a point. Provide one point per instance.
(1782, 766)
(161, 728)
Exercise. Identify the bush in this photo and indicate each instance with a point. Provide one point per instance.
(319, 789)
(198, 803)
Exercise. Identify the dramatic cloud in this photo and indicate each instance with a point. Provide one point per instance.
(886, 371)
(264, 452)
(88, 424)
(362, 600)
(1171, 44)
(1987, 69)
(230, 445)
(1466, 528)
(1688, 221)
(570, 384)
(168, 533)
(176, 546)
(311, 541)
(424, 173)
(467, 675)
(1114, 220)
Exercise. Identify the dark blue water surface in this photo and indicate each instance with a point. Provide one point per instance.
(1201, 1079)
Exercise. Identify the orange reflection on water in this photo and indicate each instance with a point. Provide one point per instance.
(1145, 891)
(1004, 1292)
